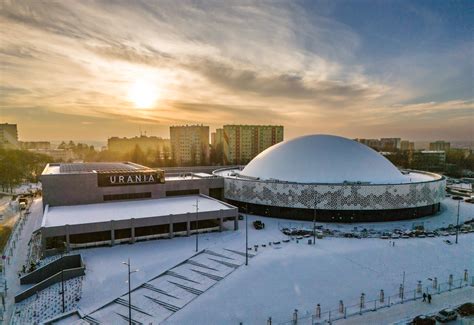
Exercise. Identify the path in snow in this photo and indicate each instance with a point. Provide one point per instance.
(20, 253)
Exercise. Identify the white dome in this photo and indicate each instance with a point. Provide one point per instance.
(323, 159)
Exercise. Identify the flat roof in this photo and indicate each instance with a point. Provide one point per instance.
(408, 177)
(124, 210)
(92, 167)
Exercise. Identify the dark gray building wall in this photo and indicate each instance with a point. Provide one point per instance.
(75, 189)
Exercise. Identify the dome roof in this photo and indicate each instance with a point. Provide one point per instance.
(323, 159)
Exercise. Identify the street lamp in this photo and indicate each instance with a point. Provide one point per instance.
(63, 250)
(129, 291)
(459, 199)
(246, 235)
(197, 228)
(314, 221)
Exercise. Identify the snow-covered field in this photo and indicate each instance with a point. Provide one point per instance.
(289, 275)
(300, 276)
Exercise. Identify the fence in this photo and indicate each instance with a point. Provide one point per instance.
(5, 255)
(320, 316)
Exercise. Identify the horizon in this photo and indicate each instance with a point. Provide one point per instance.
(90, 71)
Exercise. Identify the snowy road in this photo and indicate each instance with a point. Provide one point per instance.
(33, 222)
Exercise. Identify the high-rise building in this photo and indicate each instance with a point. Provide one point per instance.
(190, 144)
(243, 142)
(43, 145)
(64, 155)
(432, 160)
(8, 136)
(406, 145)
(390, 144)
(440, 145)
(373, 143)
(146, 144)
(219, 137)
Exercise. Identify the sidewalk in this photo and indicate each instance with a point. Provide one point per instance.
(20, 251)
(412, 309)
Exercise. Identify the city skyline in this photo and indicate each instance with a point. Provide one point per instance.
(89, 71)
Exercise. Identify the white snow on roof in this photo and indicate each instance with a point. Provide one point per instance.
(323, 159)
(123, 210)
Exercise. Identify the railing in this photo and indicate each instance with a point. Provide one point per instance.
(343, 311)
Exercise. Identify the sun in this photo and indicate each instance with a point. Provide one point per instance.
(143, 94)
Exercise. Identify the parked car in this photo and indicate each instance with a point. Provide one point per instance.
(446, 315)
(258, 225)
(423, 320)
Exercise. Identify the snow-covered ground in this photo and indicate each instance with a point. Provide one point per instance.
(285, 276)
(288, 275)
(300, 276)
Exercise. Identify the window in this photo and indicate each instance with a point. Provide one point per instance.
(127, 196)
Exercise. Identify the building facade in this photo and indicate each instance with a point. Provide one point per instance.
(440, 145)
(108, 203)
(433, 160)
(190, 144)
(406, 145)
(244, 142)
(46, 145)
(65, 155)
(87, 183)
(8, 136)
(146, 144)
(390, 144)
(331, 179)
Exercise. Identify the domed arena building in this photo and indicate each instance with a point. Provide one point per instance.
(331, 178)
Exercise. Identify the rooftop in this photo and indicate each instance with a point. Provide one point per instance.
(93, 167)
(124, 210)
(323, 159)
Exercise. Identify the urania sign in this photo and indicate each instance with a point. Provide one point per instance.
(132, 178)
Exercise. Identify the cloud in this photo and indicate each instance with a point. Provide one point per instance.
(210, 62)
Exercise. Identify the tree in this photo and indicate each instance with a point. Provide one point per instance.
(17, 166)
(137, 156)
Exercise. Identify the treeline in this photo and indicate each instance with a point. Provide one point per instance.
(158, 157)
(456, 165)
(18, 166)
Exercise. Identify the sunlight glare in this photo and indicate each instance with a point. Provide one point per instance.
(143, 94)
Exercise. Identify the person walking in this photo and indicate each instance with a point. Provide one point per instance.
(424, 296)
(429, 298)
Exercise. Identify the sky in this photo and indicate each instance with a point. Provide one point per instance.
(90, 70)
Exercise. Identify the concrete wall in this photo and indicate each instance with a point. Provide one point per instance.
(68, 274)
(75, 189)
(111, 225)
(135, 223)
(65, 262)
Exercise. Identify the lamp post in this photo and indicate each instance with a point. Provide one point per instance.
(197, 228)
(129, 291)
(459, 199)
(63, 249)
(246, 236)
(314, 220)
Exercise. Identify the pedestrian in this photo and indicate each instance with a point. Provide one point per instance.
(393, 244)
(429, 298)
(424, 296)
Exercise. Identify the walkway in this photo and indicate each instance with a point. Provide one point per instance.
(167, 293)
(409, 310)
(20, 252)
